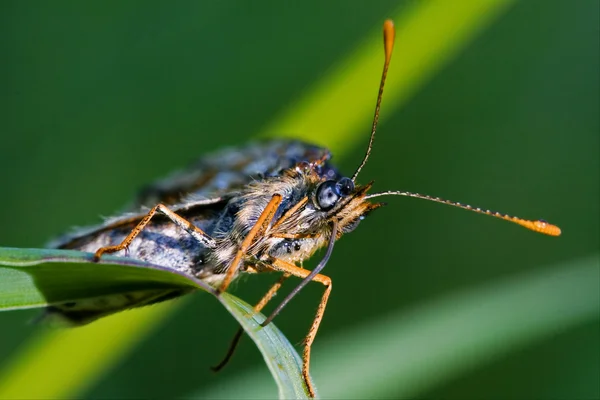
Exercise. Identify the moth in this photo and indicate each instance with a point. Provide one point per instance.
(261, 208)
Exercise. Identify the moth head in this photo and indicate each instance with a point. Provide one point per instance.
(343, 201)
(330, 192)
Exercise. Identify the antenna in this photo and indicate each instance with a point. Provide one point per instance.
(388, 43)
(540, 225)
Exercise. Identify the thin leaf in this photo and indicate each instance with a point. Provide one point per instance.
(40, 277)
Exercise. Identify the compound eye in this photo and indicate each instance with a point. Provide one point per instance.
(345, 186)
(327, 195)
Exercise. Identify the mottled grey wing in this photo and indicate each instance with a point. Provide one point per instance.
(230, 169)
(204, 187)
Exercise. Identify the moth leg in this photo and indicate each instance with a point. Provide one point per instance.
(291, 211)
(265, 218)
(257, 308)
(181, 222)
(295, 235)
(283, 266)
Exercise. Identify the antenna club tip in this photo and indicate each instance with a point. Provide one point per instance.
(389, 34)
(540, 226)
(547, 228)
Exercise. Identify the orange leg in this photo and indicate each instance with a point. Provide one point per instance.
(291, 211)
(271, 293)
(265, 217)
(238, 335)
(294, 235)
(193, 230)
(291, 269)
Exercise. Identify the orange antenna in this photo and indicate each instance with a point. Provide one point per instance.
(388, 42)
(540, 225)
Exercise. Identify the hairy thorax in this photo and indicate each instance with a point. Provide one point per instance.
(292, 239)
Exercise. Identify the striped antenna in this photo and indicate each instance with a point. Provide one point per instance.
(389, 33)
(540, 225)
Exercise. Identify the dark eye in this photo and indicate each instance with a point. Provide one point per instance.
(327, 195)
(345, 186)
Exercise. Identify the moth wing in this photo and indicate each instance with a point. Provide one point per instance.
(229, 170)
(84, 311)
(208, 183)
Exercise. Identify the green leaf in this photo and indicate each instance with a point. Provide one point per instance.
(41, 277)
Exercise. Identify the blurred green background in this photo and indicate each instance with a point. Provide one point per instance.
(100, 98)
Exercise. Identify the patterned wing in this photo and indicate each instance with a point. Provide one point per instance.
(230, 169)
(205, 186)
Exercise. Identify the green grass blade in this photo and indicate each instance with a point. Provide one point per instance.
(416, 350)
(280, 356)
(40, 277)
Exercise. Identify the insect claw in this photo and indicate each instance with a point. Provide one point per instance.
(97, 256)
